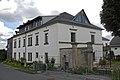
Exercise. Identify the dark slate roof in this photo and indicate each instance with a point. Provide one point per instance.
(105, 39)
(64, 18)
(115, 42)
(67, 18)
(29, 22)
(65, 15)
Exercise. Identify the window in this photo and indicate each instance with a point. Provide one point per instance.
(29, 41)
(24, 42)
(73, 37)
(19, 55)
(93, 55)
(46, 38)
(15, 55)
(15, 43)
(37, 40)
(36, 54)
(29, 56)
(24, 55)
(19, 44)
(92, 38)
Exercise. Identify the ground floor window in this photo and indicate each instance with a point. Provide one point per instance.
(19, 55)
(24, 55)
(15, 55)
(36, 54)
(29, 56)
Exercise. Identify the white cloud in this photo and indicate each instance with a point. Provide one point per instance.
(5, 33)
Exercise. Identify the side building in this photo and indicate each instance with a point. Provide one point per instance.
(47, 35)
(115, 45)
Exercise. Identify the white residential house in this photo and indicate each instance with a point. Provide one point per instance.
(46, 35)
(115, 45)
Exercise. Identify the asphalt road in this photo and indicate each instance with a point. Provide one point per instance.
(7, 73)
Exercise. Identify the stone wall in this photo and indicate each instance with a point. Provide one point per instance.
(75, 57)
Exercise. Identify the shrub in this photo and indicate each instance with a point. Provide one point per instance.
(102, 62)
(80, 70)
(22, 60)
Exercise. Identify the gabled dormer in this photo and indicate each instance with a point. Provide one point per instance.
(81, 17)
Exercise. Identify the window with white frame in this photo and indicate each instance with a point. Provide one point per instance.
(15, 55)
(19, 42)
(30, 56)
(36, 54)
(73, 37)
(30, 41)
(37, 40)
(19, 55)
(15, 43)
(46, 38)
(24, 42)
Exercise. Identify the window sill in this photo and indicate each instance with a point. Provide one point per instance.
(46, 43)
(36, 44)
(29, 45)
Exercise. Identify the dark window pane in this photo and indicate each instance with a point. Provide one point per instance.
(92, 38)
(73, 37)
(29, 56)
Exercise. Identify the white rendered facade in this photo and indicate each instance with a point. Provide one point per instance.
(57, 33)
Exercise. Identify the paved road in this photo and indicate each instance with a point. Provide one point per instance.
(7, 73)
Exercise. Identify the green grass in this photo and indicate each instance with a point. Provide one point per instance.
(17, 65)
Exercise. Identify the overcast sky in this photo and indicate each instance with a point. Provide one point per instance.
(15, 12)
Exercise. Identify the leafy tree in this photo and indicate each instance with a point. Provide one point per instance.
(110, 16)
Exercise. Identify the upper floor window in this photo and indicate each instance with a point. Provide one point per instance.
(24, 42)
(92, 38)
(30, 41)
(15, 43)
(37, 40)
(46, 38)
(19, 43)
(73, 36)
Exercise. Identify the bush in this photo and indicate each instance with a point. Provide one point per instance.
(80, 70)
(102, 62)
(118, 57)
(22, 60)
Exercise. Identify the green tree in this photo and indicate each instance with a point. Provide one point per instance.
(110, 16)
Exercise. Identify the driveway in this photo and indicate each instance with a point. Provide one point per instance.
(7, 73)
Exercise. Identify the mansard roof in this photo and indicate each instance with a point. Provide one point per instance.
(29, 22)
(65, 18)
(115, 42)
